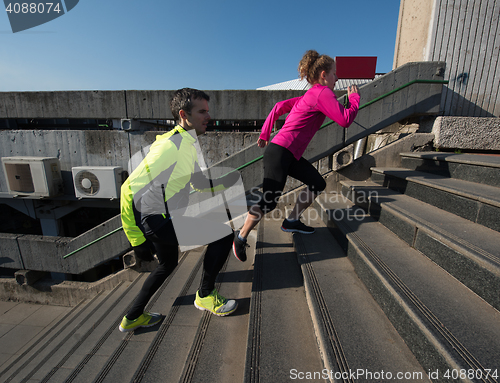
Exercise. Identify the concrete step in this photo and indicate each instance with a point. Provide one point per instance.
(476, 202)
(483, 169)
(142, 354)
(194, 343)
(113, 349)
(25, 327)
(357, 340)
(468, 251)
(86, 344)
(281, 339)
(446, 325)
(47, 357)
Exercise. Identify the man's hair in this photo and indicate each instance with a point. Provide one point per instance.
(183, 99)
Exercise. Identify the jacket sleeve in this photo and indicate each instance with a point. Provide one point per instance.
(279, 109)
(132, 231)
(159, 157)
(330, 107)
(201, 183)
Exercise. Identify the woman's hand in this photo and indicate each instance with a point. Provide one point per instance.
(352, 89)
(262, 143)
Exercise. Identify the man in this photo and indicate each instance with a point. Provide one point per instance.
(154, 199)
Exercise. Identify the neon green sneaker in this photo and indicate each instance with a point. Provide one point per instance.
(145, 320)
(216, 304)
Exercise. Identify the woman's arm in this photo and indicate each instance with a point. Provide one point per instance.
(330, 107)
(279, 109)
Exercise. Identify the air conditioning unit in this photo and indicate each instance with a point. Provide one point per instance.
(33, 177)
(97, 181)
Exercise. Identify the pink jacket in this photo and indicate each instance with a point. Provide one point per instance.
(307, 114)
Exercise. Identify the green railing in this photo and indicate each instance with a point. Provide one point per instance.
(261, 157)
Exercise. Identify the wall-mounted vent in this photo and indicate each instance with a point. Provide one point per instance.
(33, 177)
(97, 181)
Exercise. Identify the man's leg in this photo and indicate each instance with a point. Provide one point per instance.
(207, 297)
(215, 257)
(167, 252)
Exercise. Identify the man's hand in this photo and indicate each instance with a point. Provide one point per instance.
(230, 179)
(145, 251)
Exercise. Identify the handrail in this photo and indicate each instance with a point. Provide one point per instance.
(94, 241)
(417, 81)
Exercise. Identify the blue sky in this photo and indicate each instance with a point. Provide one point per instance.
(211, 45)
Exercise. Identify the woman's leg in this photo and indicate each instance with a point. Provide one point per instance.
(254, 216)
(304, 200)
(306, 173)
(277, 161)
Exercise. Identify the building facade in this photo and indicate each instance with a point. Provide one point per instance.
(466, 35)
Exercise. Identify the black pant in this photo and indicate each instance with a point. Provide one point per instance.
(167, 250)
(279, 163)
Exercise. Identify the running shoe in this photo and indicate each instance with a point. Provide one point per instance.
(216, 304)
(145, 320)
(240, 248)
(296, 227)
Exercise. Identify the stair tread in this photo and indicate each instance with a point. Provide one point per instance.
(284, 337)
(23, 351)
(174, 299)
(47, 355)
(471, 159)
(463, 313)
(367, 337)
(478, 192)
(482, 240)
(222, 356)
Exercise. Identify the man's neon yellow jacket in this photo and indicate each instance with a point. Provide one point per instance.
(164, 175)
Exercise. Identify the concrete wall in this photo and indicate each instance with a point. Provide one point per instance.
(466, 36)
(104, 147)
(46, 253)
(413, 31)
(136, 104)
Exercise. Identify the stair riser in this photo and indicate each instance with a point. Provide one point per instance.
(467, 172)
(472, 210)
(443, 251)
(480, 280)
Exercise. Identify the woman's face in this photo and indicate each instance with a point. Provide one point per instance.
(329, 78)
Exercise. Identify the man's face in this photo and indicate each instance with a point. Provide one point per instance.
(199, 117)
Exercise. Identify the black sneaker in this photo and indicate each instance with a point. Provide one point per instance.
(296, 227)
(240, 248)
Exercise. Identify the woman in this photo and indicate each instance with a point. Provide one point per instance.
(283, 156)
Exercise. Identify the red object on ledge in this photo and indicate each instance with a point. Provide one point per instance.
(356, 67)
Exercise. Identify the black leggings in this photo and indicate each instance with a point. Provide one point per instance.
(167, 251)
(279, 163)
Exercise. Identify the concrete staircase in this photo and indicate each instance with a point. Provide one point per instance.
(424, 240)
(400, 282)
